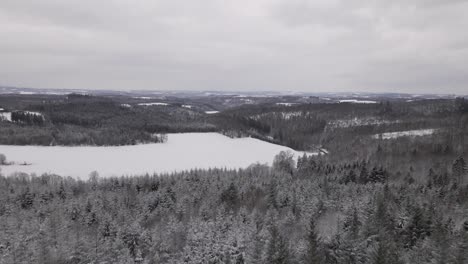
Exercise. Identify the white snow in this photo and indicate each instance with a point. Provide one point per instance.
(286, 104)
(155, 103)
(5, 116)
(408, 133)
(126, 105)
(211, 112)
(33, 113)
(180, 152)
(366, 121)
(354, 101)
(187, 106)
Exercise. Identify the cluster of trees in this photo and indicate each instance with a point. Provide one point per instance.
(27, 118)
(306, 126)
(314, 211)
(14, 134)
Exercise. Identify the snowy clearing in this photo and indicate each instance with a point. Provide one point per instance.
(181, 152)
(5, 116)
(211, 112)
(408, 133)
(354, 101)
(286, 104)
(155, 103)
(187, 106)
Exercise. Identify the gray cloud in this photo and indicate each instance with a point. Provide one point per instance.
(308, 45)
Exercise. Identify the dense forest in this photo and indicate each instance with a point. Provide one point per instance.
(98, 120)
(367, 199)
(310, 212)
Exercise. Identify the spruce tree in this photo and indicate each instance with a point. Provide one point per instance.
(459, 169)
(313, 254)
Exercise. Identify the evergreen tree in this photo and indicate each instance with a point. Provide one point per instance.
(313, 254)
(459, 169)
(462, 254)
(277, 251)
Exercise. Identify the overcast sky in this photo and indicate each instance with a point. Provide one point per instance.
(299, 45)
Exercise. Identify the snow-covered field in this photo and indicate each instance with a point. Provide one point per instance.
(286, 104)
(152, 104)
(409, 133)
(354, 101)
(180, 152)
(5, 116)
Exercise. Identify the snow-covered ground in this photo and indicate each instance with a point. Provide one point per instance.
(286, 104)
(211, 112)
(360, 122)
(5, 116)
(408, 133)
(354, 101)
(33, 113)
(155, 103)
(180, 152)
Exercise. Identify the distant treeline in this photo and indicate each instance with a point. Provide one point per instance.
(84, 119)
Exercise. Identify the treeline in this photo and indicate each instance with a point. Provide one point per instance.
(308, 126)
(27, 118)
(83, 119)
(66, 135)
(90, 120)
(311, 212)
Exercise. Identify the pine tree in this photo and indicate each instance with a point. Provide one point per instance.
(272, 246)
(277, 251)
(462, 254)
(354, 225)
(417, 228)
(282, 256)
(364, 175)
(313, 254)
(386, 252)
(459, 169)
(272, 202)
